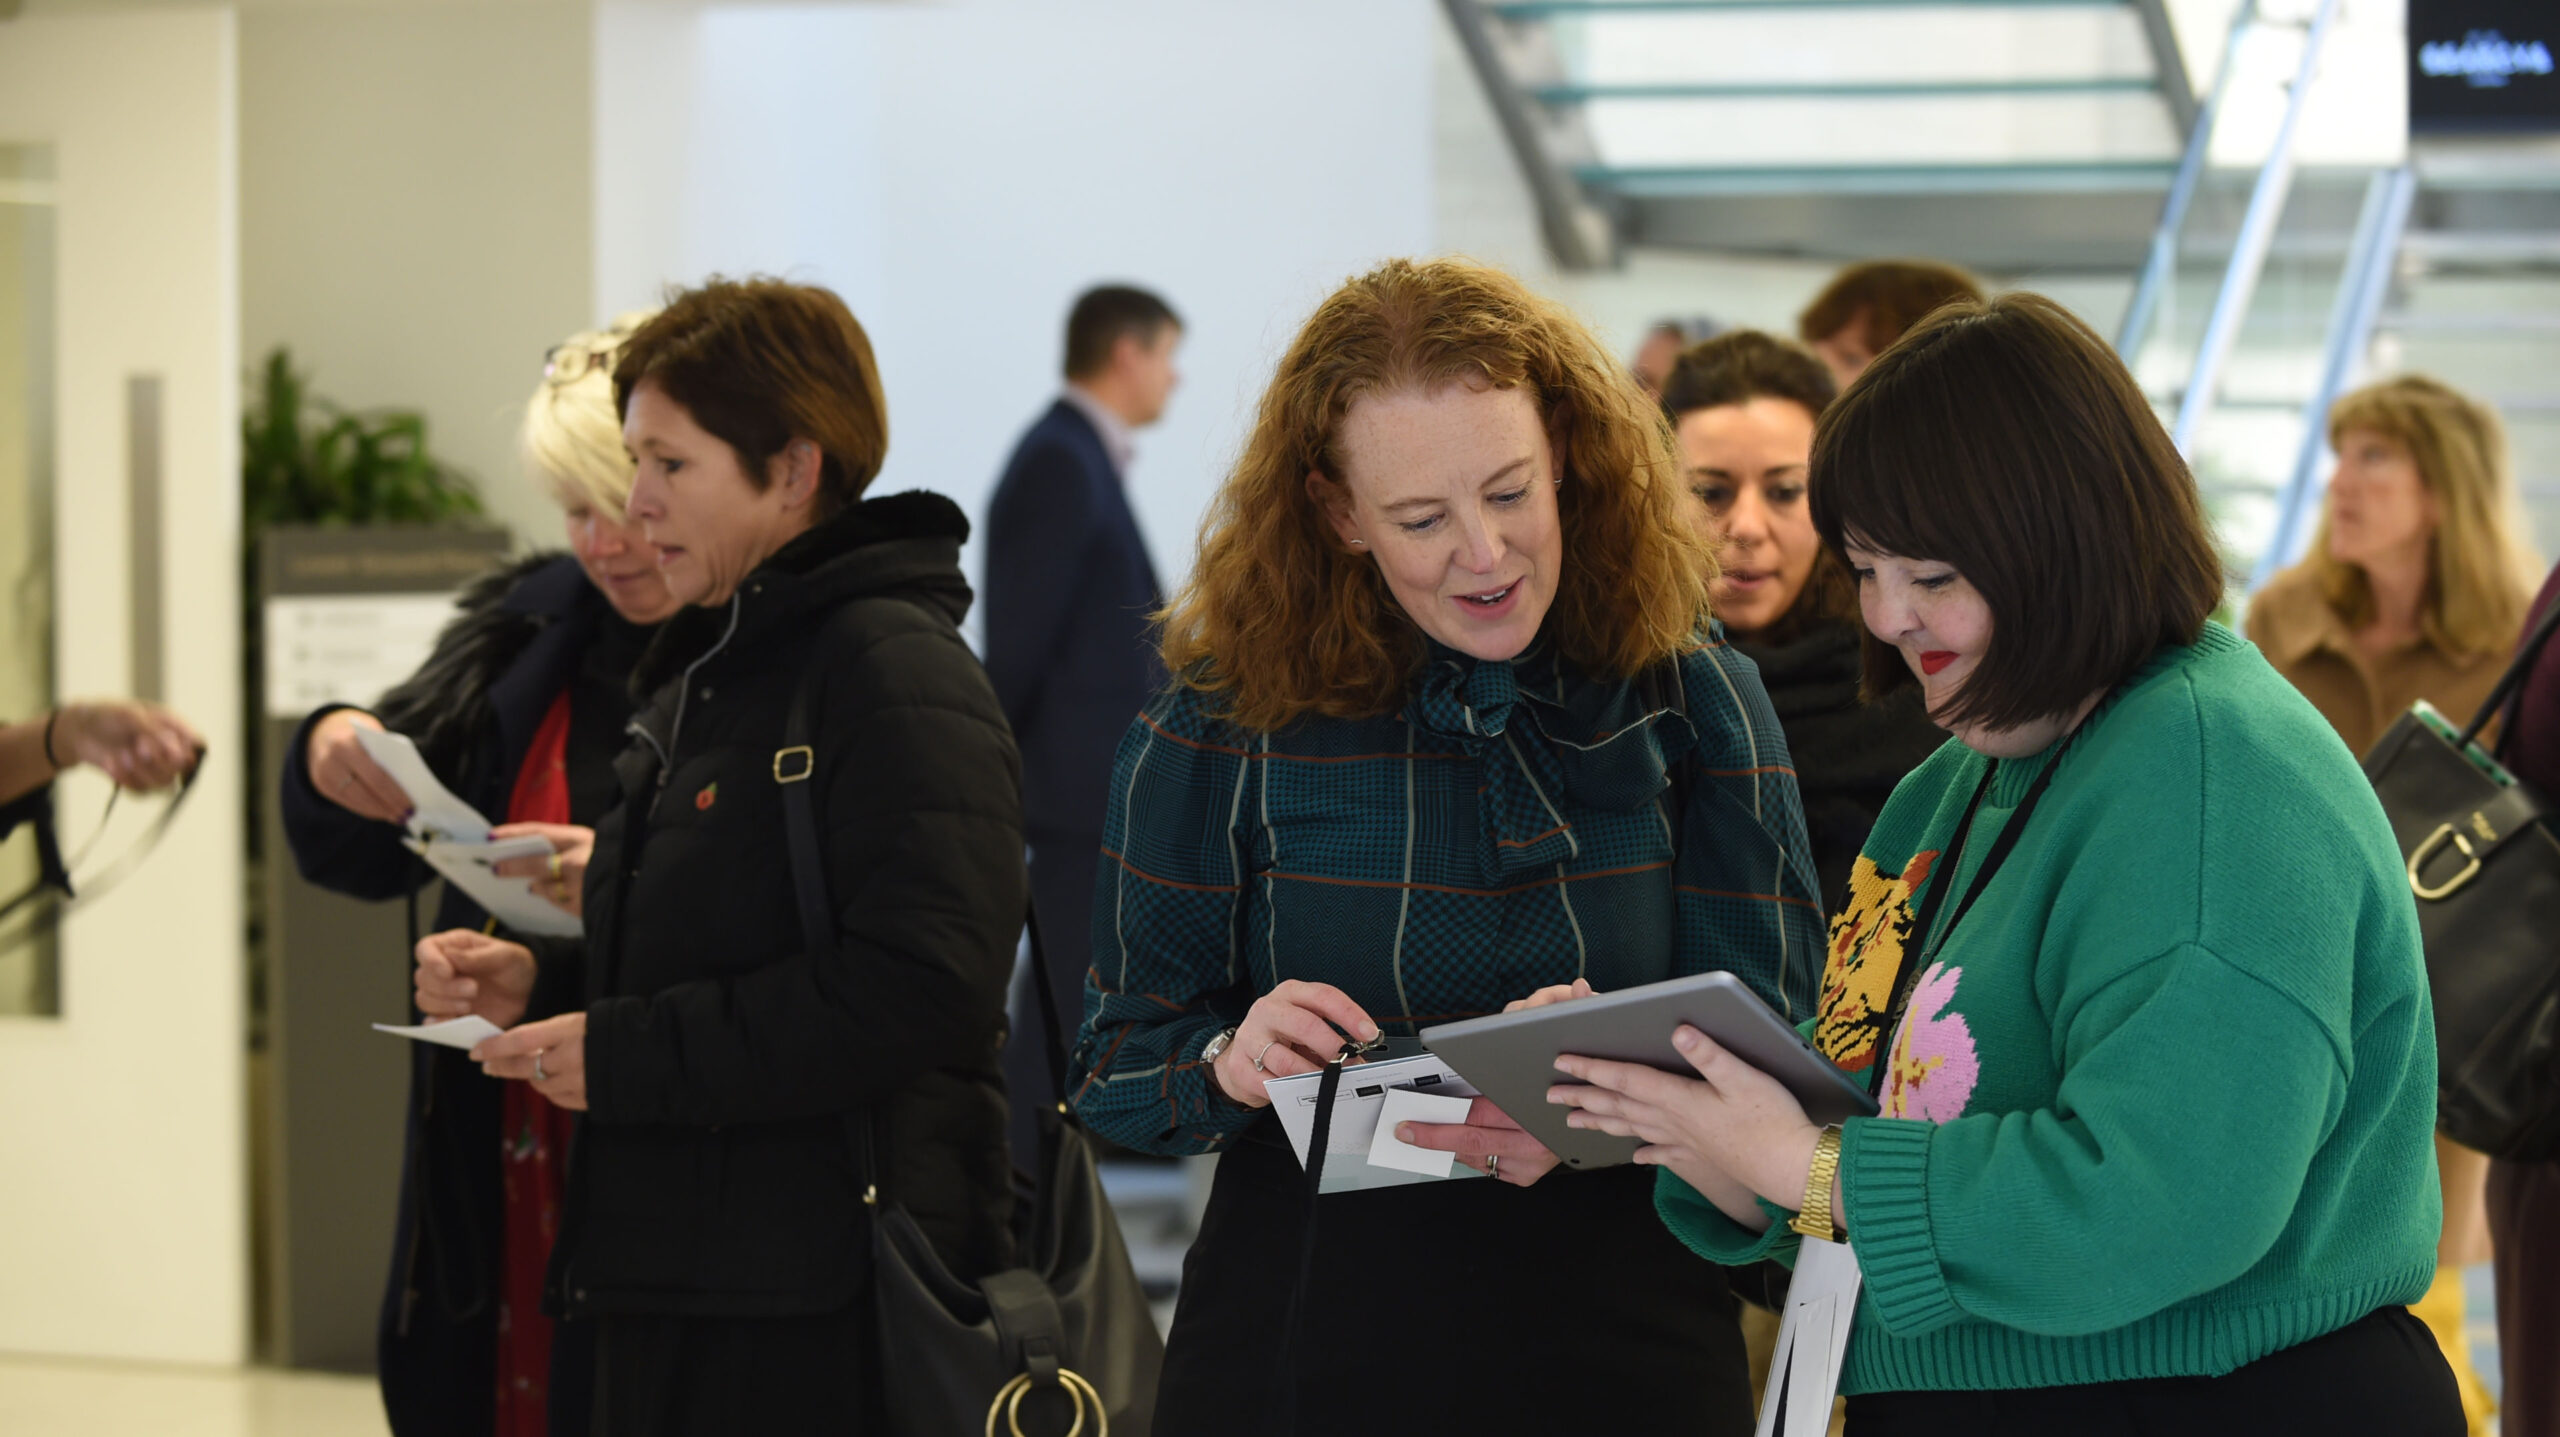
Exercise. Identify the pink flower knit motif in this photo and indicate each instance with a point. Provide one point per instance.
(1935, 1066)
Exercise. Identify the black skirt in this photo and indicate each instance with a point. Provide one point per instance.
(2379, 1376)
(1467, 1306)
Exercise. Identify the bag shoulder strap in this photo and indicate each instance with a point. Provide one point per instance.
(795, 767)
(2513, 679)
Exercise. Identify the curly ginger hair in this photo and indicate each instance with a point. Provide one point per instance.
(1284, 621)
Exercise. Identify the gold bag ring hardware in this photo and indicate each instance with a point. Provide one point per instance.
(808, 763)
(2445, 833)
(1009, 1403)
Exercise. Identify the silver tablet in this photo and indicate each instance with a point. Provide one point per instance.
(1510, 1057)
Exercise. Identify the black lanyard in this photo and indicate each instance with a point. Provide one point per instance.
(1932, 939)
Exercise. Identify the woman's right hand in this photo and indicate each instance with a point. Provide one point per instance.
(462, 972)
(1290, 1030)
(343, 773)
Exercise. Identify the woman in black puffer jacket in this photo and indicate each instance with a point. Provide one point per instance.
(715, 1225)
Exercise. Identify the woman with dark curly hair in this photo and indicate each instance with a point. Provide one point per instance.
(1448, 727)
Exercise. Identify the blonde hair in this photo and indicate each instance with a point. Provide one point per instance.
(1283, 621)
(572, 435)
(2481, 573)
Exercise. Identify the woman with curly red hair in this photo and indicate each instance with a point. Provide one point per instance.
(1448, 726)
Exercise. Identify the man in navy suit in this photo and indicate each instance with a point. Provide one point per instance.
(1069, 595)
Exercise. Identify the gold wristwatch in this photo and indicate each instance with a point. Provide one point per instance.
(1813, 1216)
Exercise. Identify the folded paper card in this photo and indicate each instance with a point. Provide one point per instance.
(1404, 1105)
(464, 1033)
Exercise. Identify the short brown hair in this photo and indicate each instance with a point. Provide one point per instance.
(759, 363)
(1284, 622)
(1105, 314)
(2007, 440)
(1889, 295)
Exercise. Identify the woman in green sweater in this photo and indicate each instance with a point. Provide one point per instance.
(2132, 967)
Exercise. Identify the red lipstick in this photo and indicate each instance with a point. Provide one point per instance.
(1935, 660)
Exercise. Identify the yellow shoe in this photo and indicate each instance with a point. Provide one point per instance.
(2442, 1311)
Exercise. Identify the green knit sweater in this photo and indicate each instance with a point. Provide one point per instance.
(2162, 1103)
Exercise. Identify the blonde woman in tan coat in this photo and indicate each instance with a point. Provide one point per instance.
(2416, 588)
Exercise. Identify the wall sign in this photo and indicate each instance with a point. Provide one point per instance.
(2484, 66)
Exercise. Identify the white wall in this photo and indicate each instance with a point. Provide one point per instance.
(960, 171)
(415, 211)
(123, 1189)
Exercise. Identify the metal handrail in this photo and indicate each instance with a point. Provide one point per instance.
(2351, 322)
(2249, 251)
(2160, 267)
(1849, 89)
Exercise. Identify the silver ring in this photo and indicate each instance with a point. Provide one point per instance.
(1493, 1165)
(540, 1076)
(1266, 1050)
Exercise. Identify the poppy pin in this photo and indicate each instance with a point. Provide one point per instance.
(710, 795)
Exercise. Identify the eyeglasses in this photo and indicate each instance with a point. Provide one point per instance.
(569, 363)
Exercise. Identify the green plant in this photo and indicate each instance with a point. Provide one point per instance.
(303, 460)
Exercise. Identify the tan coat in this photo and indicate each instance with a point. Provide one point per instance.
(2360, 694)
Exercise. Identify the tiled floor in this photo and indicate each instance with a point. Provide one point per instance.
(53, 1398)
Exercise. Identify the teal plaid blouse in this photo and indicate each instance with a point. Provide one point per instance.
(1512, 827)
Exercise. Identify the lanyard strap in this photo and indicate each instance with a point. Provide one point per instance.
(1934, 939)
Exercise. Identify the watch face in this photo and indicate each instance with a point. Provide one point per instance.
(1217, 1045)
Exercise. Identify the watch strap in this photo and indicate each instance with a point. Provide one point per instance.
(1813, 1215)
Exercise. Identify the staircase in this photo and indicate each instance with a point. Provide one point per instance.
(2007, 134)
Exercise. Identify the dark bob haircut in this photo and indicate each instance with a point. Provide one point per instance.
(759, 363)
(2006, 440)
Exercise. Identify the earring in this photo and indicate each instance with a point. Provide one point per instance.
(1358, 543)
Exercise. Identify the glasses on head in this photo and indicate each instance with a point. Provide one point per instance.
(569, 363)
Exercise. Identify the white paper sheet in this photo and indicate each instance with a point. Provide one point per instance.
(439, 815)
(464, 1033)
(511, 901)
(1404, 1105)
(1813, 1340)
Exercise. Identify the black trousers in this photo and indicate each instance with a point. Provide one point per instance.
(2379, 1376)
(687, 1376)
(1469, 1307)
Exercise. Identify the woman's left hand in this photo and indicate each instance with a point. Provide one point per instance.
(551, 1055)
(562, 877)
(1739, 1123)
(1487, 1134)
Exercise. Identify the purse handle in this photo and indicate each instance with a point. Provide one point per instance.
(2513, 678)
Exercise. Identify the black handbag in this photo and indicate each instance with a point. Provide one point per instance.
(1063, 1344)
(2485, 869)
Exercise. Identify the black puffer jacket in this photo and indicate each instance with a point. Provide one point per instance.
(715, 1172)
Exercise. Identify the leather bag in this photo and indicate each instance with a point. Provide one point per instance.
(2485, 870)
(1062, 1346)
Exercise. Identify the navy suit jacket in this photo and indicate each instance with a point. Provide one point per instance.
(1068, 592)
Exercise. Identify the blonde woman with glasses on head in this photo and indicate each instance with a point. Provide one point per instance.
(2416, 588)
(520, 711)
